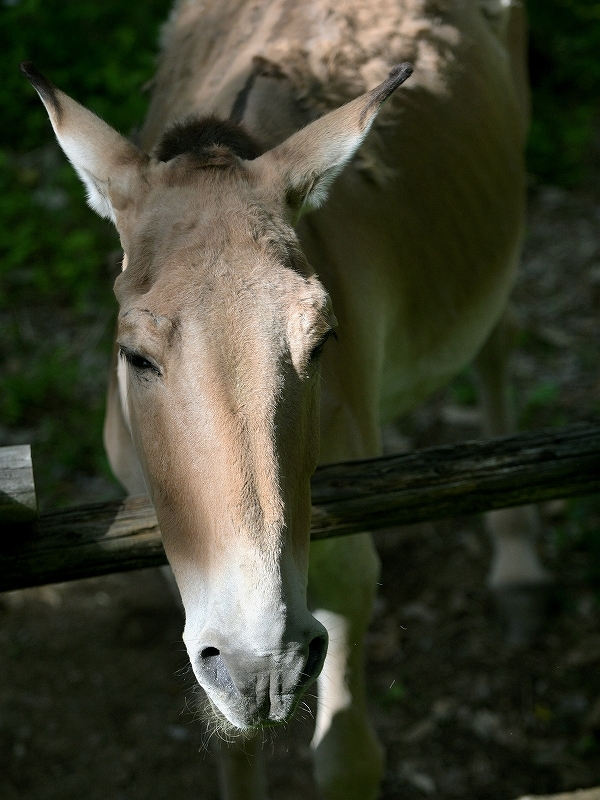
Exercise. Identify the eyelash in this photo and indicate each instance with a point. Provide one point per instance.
(138, 362)
(319, 348)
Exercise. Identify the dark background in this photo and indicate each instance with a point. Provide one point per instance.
(95, 697)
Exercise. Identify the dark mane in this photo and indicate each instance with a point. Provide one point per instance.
(200, 136)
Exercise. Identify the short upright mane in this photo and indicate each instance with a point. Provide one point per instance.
(206, 138)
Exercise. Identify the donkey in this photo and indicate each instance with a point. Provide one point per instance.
(234, 301)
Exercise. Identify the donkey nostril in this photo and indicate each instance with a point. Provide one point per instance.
(314, 662)
(214, 670)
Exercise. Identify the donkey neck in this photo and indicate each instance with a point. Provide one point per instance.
(279, 64)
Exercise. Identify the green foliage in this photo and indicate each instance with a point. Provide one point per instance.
(541, 407)
(56, 304)
(463, 388)
(394, 694)
(577, 539)
(52, 248)
(565, 75)
(100, 53)
(582, 532)
(587, 745)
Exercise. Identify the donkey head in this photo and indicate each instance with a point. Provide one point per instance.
(220, 329)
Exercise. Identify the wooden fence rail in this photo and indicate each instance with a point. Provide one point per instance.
(579, 794)
(364, 495)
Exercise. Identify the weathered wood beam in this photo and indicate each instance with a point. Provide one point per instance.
(448, 481)
(579, 794)
(363, 495)
(17, 489)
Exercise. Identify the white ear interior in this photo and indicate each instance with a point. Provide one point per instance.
(338, 153)
(308, 162)
(96, 190)
(104, 160)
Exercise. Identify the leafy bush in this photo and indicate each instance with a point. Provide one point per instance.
(565, 76)
(56, 304)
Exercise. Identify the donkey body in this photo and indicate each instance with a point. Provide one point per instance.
(229, 292)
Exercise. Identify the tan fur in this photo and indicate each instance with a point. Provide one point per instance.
(414, 252)
(453, 179)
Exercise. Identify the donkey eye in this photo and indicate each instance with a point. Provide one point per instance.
(138, 361)
(316, 352)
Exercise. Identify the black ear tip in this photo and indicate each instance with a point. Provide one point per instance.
(396, 78)
(29, 70)
(400, 73)
(34, 76)
(45, 88)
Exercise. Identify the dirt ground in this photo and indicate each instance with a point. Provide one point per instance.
(96, 697)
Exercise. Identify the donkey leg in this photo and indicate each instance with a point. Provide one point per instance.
(241, 769)
(517, 577)
(348, 759)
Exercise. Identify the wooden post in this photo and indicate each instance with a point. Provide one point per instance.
(17, 488)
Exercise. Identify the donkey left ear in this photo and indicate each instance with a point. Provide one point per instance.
(107, 163)
(308, 161)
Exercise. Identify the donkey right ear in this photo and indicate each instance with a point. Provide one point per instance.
(107, 163)
(305, 164)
